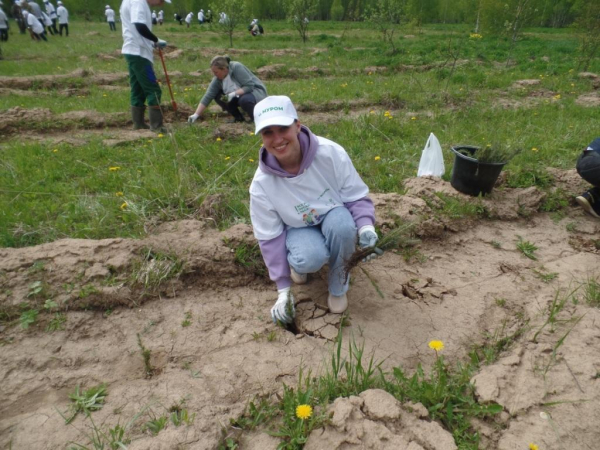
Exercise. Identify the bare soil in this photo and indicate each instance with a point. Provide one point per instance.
(464, 282)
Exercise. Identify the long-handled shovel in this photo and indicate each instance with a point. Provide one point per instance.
(167, 77)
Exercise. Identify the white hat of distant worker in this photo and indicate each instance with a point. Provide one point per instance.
(274, 110)
(107, 7)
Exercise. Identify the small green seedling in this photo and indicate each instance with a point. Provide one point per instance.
(527, 248)
(87, 401)
(28, 318)
(146, 355)
(155, 426)
(188, 320)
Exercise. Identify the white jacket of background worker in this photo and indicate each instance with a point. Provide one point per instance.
(189, 18)
(63, 14)
(34, 24)
(3, 20)
(110, 14)
(132, 12)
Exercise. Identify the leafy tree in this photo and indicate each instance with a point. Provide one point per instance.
(337, 10)
(236, 15)
(422, 11)
(386, 16)
(298, 13)
(588, 30)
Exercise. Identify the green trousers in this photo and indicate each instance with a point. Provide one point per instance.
(143, 82)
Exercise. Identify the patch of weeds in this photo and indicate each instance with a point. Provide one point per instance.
(456, 208)
(546, 277)
(272, 336)
(37, 267)
(501, 302)
(146, 356)
(523, 212)
(248, 255)
(255, 414)
(87, 290)
(187, 321)
(527, 248)
(180, 415)
(522, 177)
(496, 244)
(114, 439)
(591, 292)
(447, 394)
(155, 268)
(86, 401)
(57, 323)
(257, 336)
(28, 318)
(156, 425)
(571, 227)
(411, 254)
(556, 306)
(298, 414)
(556, 200)
(496, 343)
(37, 289)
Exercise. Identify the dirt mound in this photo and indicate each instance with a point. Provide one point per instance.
(376, 420)
(525, 83)
(591, 100)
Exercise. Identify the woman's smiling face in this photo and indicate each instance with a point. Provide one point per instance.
(282, 142)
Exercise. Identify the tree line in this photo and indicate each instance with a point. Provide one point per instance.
(485, 13)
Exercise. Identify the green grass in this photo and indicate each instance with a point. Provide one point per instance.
(86, 401)
(49, 191)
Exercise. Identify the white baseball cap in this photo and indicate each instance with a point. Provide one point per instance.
(274, 110)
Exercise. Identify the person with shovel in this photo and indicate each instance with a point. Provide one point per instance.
(233, 87)
(308, 206)
(138, 45)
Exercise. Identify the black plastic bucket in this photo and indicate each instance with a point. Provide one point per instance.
(470, 176)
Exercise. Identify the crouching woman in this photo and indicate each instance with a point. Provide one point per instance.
(308, 204)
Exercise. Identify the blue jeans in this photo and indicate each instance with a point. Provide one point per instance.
(332, 241)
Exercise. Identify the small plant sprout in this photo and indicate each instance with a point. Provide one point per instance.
(188, 320)
(28, 317)
(146, 355)
(591, 292)
(156, 425)
(496, 244)
(501, 302)
(527, 248)
(86, 401)
(35, 289)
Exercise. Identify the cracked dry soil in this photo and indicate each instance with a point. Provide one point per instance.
(467, 280)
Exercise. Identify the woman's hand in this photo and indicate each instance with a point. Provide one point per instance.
(284, 310)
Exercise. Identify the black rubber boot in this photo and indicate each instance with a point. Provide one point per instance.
(156, 119)
(137, 114)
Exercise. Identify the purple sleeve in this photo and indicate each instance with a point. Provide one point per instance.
(274, 253)
(363, 212)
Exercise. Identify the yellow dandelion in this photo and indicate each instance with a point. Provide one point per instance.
(292, 93)
(227, 157)
(219, 139)
(160, 135)
(149, 141)
(371, 112)
(251, 133)
(438, 346)
(534, 149)
(572, 84)
(570, 70)
(533, 447)
(250, 159)
(55, 150)
(119, 194)
(413, 118)
(124, 205)
(114, 169)
(377, 158)
(304, 411)
(103, 95)
(557, 96)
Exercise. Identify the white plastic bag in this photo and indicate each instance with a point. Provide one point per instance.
(432, 160)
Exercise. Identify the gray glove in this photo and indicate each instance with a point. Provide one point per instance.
(231, 95)
(284, 310)
(160, 44)
(367, 238)
(193, 118)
